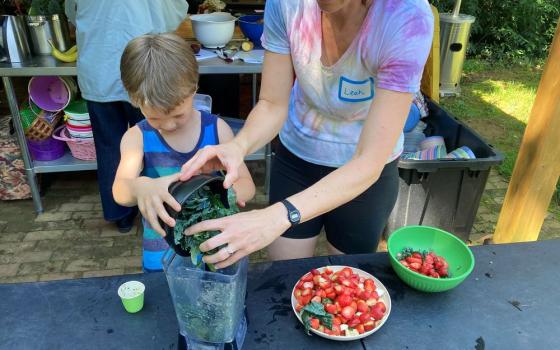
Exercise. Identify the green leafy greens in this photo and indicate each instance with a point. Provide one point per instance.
(202, 205)
(315, 310)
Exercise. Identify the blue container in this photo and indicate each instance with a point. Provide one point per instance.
(252, 27)
(413, 118)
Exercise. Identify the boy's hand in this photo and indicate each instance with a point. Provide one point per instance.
(151, 194)
(227, 156)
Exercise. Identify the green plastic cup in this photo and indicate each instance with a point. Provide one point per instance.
(132, 295)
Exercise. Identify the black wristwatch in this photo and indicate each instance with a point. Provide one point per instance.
(293, 214)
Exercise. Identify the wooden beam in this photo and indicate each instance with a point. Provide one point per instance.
(538, 164)
(430, 77)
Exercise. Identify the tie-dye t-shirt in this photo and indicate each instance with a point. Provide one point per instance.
(329, 104)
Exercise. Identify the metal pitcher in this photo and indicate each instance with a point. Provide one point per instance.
(43, 28)
(14, 41)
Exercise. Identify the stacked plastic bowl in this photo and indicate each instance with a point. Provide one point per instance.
(77, 120)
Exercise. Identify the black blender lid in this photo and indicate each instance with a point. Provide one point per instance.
(181, 191)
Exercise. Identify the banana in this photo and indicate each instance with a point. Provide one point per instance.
(70, 55)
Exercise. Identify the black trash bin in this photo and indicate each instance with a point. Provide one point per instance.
(444, 193)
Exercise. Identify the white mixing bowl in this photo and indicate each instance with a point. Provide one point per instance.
(213, 29)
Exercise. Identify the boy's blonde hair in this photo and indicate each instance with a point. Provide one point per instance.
(159, 70)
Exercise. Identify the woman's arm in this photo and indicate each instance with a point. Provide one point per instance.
(251, 231)
(262, 125)
(244, 187)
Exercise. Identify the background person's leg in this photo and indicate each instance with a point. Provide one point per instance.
(109, 124)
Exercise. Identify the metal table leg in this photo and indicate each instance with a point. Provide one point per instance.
(31, 177)
(268, 150)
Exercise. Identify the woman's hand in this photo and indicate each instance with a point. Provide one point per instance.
(227, 156)
(241, 233)
(151, 194)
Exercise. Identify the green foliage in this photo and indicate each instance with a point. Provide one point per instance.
(315, 310)
(518, 30)
(47, 7)
(200, 206)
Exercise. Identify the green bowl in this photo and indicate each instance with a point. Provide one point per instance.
(442, 243)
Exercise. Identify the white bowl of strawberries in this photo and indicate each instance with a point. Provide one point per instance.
(341, 303)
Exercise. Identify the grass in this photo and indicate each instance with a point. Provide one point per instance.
(496, 101)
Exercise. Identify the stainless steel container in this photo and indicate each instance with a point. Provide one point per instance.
(43, 28)
(14, 40)
(454, 38)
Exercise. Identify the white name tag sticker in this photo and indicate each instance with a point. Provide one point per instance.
(355, 90)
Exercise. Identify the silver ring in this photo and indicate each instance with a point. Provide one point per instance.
(229, 250)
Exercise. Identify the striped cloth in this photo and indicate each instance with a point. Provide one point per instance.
(162, 160)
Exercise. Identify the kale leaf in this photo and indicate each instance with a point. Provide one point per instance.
(200, 206)
(315, 310)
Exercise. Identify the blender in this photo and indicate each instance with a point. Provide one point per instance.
(210, 306)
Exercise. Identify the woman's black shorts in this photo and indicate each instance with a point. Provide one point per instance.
(352, 228)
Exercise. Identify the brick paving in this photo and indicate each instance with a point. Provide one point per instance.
(71, 239)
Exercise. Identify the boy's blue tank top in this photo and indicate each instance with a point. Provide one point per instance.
(162, 160)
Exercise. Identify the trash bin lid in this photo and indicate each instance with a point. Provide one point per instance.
(461, 18)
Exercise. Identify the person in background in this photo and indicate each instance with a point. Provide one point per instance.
(160, 74)
(103, 29)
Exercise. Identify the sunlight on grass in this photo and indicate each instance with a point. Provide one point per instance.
(496, 101)
(512, 97)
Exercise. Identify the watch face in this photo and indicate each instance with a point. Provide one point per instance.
(294, 216)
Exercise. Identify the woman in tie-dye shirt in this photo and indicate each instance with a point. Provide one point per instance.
(337, 84)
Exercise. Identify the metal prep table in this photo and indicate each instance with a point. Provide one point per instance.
(47, 65)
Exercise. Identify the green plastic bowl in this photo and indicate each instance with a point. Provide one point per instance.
(442, 243)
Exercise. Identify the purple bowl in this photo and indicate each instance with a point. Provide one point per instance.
(49, 149)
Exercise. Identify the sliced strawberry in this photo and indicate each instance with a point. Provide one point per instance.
(354, 322)
(376, 313)
(369, 325)
(346, 272)
(336, 329)
(314, 323)
(336, 321)
(339, 289)
(330, 308)
(299, 307)
(297, 293)
(362, 306)
(365, 317)
(360, 328)
(308, 285)
(417, 255)
(316, 299)
(404, 263)
(344, 300)
(328, 271)
(381, 305)
(315, 272)
(307, 277)
(348, 312)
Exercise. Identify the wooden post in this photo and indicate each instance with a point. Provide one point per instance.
(430, 77)
(538, 164)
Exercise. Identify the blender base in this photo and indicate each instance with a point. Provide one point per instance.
(237, 343)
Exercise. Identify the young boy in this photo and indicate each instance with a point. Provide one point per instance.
(160, 74)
